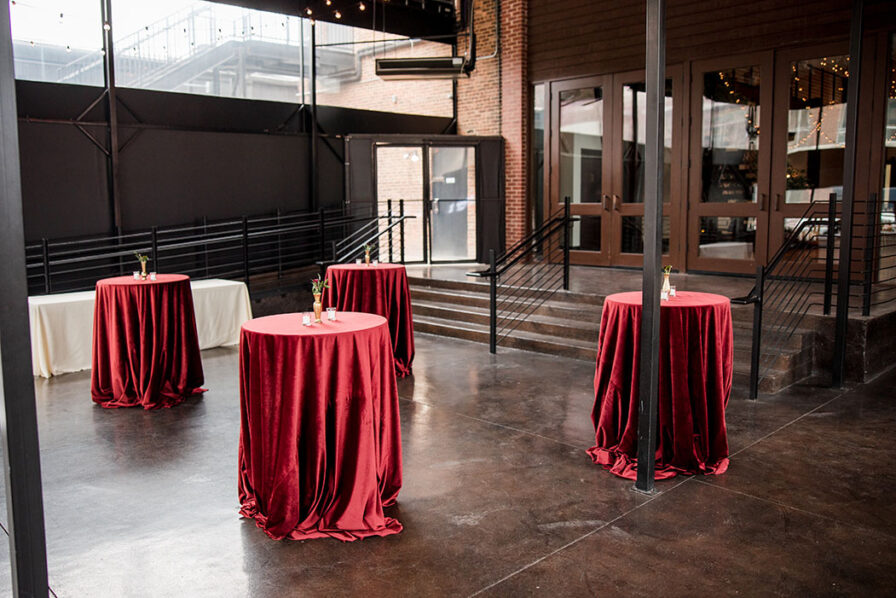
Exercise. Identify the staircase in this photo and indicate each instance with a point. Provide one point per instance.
(568, 324)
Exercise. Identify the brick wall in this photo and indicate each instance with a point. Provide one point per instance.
(495, 99)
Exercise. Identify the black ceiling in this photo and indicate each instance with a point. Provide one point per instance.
(412, 18)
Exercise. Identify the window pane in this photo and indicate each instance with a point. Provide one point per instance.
(581, 144)
(633, 234)
(816, 128)
(888, 195)
(634, 135)
(346, 72)
(730, 135)
(586, 233)
(399, 175)
(725, 237)
(58, 41)
(537, 194)
(453, 193)
(209, 48)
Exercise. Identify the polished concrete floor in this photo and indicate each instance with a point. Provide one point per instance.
(500, 498)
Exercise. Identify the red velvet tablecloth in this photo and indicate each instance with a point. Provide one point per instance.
(377, 289)
(320, 436)
(145, 345)
(696, 369)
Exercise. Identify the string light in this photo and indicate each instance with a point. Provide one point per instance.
(362, 7)
(337, 14)
(308, 11)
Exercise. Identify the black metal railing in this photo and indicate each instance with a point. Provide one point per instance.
(264, 249)
(800, 277)
(522, 278)
(383, 235)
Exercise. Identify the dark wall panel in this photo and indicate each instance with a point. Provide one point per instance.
(572, 38)
(331, 163)
(173, 177)
(63, 183)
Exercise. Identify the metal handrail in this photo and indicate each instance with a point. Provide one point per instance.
(528, 288)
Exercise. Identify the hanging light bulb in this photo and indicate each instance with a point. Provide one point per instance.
(337, 14)
(362, 7)
(308, 10)
(329, 2)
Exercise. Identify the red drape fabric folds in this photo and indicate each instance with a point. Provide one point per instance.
(377, 289)
(320, 436)
(696, 370)
(145, 345)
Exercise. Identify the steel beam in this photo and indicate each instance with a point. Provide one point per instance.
(112, 115)
(649, 356)
(849, 178)
(18, 416)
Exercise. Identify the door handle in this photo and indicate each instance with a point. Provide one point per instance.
(763, 200)
(616, 199)
(777, 202)
(603, 202)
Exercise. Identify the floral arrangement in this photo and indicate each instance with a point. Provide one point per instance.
(318, 285)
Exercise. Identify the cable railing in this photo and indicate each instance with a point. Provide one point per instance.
(801, 276)
(525, 276)
(263, 250)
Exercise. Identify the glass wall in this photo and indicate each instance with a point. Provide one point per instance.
(58, 41)
(538, 147)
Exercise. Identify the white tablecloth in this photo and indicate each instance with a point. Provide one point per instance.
(62, 325)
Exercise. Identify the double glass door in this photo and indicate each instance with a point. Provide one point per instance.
(761, 153)
(438, 186)
(598, 162)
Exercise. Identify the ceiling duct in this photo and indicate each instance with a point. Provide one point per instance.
(439, 67)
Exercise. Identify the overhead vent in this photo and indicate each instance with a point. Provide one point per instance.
(440, 67)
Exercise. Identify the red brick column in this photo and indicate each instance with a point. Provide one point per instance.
(495, 99)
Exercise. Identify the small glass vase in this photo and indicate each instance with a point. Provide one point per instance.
(143, 270)
(666, 286)
(318, 306)
(367, 257)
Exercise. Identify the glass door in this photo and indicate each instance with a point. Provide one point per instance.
(399, 175)
(729, 164)
(580, 170)
(629, 137)
(452, 203)
(810, 135)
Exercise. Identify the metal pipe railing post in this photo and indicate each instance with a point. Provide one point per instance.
(829, 254)
(321, 226)
(401, 228)
(279, 247)
(154, 234)
(45, 249)
(756, 349)
(389, 215)
(493, 304)
(246, 249)
(205, 246)
(870, 236)
(566, 235)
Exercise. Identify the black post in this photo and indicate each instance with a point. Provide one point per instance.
(205, 246)
(18, 416)
(492, 304)
(112, 115)
(155, 248)
(279, 245)
(648, 399)
(322, 231)
(566, 226)
(756, 349)
(401, 227)
(45, 250)
(389, 224)
(246, 249)
(849, 176)
(829, 254)
(870, 238)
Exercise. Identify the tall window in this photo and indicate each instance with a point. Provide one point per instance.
(888, 192)
(58, 41)
(537, 193)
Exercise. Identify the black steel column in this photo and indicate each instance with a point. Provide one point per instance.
(648, 379)
(18, 417)
(829, 254)
(315, 200)
(111, 115)
(849, 178)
